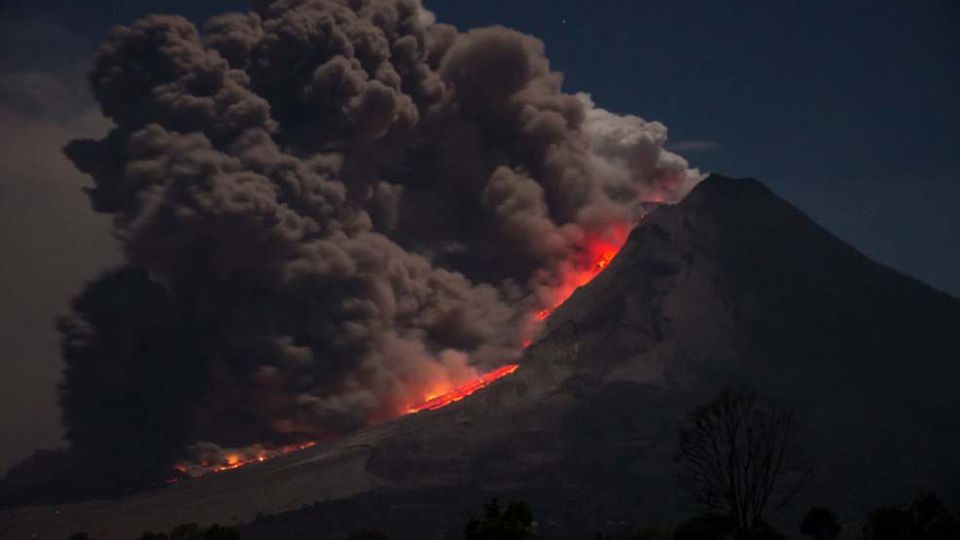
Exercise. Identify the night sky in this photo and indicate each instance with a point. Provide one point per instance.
(847, 109)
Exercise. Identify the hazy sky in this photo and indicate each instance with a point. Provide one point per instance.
(847, 109)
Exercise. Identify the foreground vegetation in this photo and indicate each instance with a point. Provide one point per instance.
(924, 518)
(739, 459)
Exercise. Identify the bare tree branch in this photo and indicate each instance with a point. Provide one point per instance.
(741, 456)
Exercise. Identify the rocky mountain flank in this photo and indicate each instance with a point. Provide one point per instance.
(731, 288)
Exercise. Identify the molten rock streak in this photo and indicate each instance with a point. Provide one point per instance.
(598, 254)
(214, 459)
(329, 210)
(445, 397)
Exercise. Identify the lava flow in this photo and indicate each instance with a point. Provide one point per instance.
(597, 253)
(435, 402)
(234, 459)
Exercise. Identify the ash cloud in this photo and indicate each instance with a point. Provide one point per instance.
(326, 207)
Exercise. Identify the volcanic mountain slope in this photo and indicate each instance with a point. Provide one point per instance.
(733, 287)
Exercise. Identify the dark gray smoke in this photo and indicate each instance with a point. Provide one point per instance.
(329, 207)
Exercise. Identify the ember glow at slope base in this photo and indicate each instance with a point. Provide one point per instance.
(599, 253)
(332, 212)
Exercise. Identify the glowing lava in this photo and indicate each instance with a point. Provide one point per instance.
(435, 402)
(596, 255)
(598, 252)
(234, 459)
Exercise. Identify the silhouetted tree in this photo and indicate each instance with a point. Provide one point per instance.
(366, 534)
(925, 518)
(648, 533)
(217, 532)
(651, 533)
(759, 531)
(933, 519)
(889, 523)
(821, 524)
(192, 531)
(188, 531)
(721, 527)
(740, 456)
(513, 522)
(706, 527)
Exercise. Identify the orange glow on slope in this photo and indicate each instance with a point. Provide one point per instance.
(598, 252)
(234, 459)
(441, 399)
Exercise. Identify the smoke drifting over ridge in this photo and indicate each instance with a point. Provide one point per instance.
(328, 208)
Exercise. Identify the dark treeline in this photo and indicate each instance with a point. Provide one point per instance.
(739, 459)
(924, 518)
(189, 531)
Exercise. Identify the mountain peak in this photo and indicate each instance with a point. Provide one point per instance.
(734, 254)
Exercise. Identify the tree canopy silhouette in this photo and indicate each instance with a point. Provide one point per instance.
(647, 533)
(192, 531)
(925, 518)
(513, 522)
(741, 456)
(821, 524)
(366, 534)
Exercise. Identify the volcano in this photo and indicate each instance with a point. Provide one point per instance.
(733, 287)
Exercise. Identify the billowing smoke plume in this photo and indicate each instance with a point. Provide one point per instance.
(328, 207)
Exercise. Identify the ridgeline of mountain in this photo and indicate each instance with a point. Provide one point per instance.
(731, 288)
